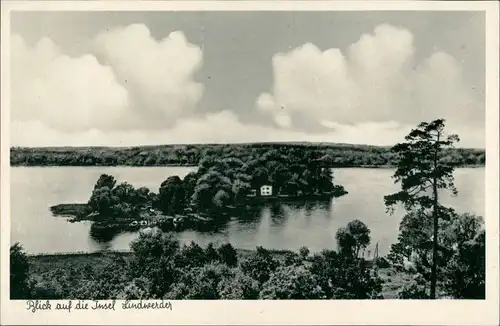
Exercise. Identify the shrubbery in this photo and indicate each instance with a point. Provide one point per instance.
(159, 267)
(461, 271)
(19, 271)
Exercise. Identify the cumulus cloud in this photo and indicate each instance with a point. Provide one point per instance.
(377, 80)
(65, 93)
(157, 74)
(132, 89)
(137, 82)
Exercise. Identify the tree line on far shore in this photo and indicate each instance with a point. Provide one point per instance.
(332, 155)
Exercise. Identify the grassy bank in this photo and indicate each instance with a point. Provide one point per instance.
(46, 262)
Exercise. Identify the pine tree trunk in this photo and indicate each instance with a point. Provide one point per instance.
(435, 218)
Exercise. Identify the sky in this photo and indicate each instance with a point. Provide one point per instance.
(143, 78)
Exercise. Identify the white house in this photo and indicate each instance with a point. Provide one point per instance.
(266, 190)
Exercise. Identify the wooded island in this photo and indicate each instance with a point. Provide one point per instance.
(222, 186)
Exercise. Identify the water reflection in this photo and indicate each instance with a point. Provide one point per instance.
(278, 216)
(248, 213)
(104, 234)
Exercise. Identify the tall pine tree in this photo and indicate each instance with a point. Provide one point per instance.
(422, 174)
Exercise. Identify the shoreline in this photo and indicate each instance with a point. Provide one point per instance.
(114, 252)
(79, 212)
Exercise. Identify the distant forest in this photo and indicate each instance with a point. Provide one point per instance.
(332, 155)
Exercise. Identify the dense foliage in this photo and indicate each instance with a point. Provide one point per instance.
(118, 201)
(159, 267)
(223, 181)
(19, 271)
(461, 256)
(333, 155)
(220, 183)
(352, 239)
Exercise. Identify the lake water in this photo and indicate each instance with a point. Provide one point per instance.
(35, 189)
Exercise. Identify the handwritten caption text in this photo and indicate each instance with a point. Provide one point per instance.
(111, 305)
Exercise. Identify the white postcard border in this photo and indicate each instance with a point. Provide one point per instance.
(355, 312)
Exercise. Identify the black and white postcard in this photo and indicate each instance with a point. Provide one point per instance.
(233, 162)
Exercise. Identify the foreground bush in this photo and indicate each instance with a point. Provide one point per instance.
(160, 268)
(461, 272)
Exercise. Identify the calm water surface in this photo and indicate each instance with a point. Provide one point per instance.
(34, 190)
